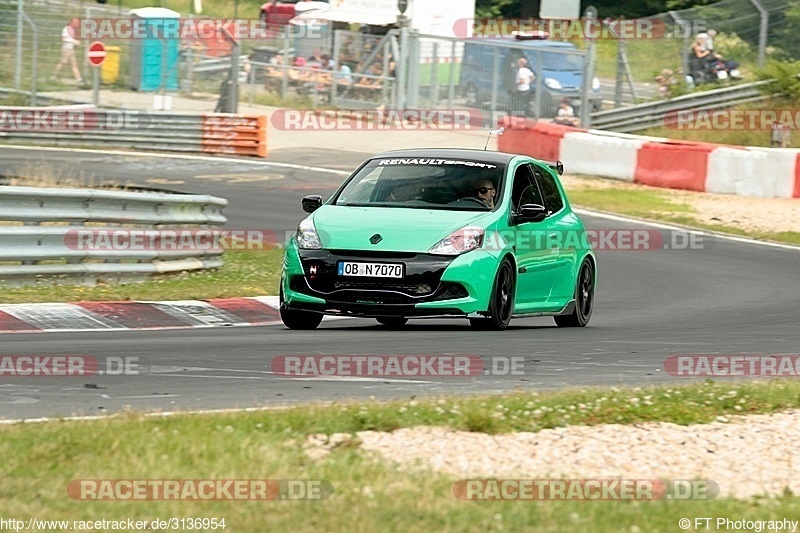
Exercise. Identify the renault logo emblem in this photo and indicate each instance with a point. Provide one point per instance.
(375, 239)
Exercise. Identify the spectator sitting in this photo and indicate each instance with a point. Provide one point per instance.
(375, 70)
(316, 56)
(345, 74)
(700, 48)
(328, 63)
(566, 115)
(665, 79)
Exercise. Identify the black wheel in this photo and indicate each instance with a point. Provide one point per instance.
(294, 319)
(584, 299)
(392, 322)
(501, 303)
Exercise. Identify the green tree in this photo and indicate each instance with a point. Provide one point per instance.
(788, 38)
(786, 82)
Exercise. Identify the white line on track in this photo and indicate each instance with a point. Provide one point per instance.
(721, 236)
(179, 156)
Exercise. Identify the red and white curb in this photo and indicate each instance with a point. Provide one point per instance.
(117, 316)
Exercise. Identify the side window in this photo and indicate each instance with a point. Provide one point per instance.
(552, 196)
(525, 190)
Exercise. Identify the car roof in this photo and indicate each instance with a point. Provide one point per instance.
(450, 153)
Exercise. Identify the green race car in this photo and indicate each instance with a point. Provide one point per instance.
(437, 232)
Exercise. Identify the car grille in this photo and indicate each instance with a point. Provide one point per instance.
(422, 281)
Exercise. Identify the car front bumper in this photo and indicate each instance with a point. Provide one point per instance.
(433, 285)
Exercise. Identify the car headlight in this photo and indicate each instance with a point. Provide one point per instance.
(552, 83)
(595, 83)
(459, 242)
(307, 237)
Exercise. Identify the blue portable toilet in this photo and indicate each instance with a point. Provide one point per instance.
(154, 58)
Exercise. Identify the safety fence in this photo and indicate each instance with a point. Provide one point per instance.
(51, 233)
(211, 133)
(659, 162)
(643, 116)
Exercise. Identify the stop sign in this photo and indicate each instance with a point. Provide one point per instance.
(96, 53)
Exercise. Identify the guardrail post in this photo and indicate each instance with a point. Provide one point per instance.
(686, 29)
(588, 76)
(233, 94)
(18, 55)
(34, 58)
(762, 32)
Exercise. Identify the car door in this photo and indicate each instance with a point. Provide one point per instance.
(536, 260)
(564, 236)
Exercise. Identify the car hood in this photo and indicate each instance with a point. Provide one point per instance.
(401, 230)
(571, 80)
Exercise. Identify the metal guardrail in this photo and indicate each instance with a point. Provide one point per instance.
(215, 64)
(643, 116)
(44, 245)
(209, 132)
(41, 99)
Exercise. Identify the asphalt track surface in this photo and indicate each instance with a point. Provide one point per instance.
(724, 298)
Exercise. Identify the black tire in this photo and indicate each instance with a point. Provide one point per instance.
(294, 319)
(584, 299)
(501, 303)
(392, 322)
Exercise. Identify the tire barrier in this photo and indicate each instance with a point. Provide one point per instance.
(220, 133)
(659, 162)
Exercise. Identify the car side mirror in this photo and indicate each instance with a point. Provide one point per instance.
(531, 213)
(312, 202)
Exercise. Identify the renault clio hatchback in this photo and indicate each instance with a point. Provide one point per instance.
(481, 235)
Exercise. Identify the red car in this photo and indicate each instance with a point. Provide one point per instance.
(280, 13)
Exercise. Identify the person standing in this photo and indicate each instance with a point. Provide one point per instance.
(523, 79)
(68, 43)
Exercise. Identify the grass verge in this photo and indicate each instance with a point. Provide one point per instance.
(245, 273)
(660, 206)
(368, 494)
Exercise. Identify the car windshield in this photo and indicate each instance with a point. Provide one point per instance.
(564, 62)
(425, 183)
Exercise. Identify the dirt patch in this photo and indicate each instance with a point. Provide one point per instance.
(745, 456)
(745, 213)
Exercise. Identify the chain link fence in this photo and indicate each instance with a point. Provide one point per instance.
(747, 32)
(363, 70)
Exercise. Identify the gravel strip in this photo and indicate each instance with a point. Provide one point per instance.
(742, 212)
(746, 456)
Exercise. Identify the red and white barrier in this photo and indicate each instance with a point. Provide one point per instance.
(659, 162)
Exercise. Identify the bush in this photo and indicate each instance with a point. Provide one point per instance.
(787, 79)
(731, 46)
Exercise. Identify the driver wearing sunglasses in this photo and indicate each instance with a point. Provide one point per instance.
(484, 190)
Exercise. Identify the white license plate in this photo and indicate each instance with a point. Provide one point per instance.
(371, 270)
